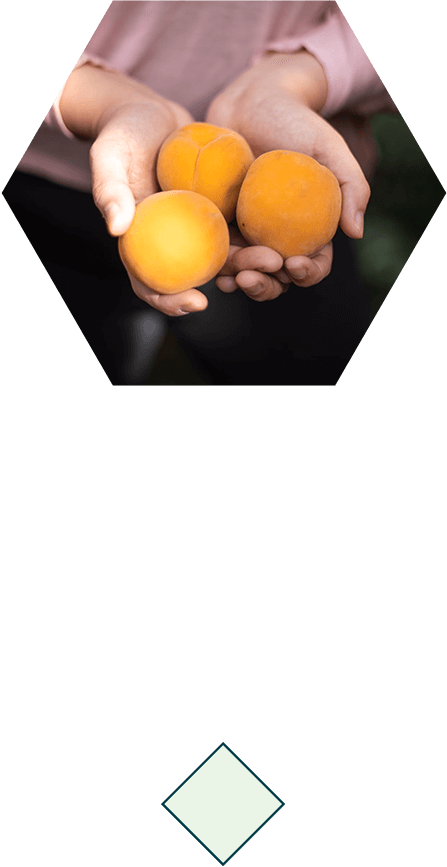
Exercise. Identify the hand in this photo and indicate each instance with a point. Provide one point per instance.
(275, 105)
(123, 159)
(263, 274)
(128, 123)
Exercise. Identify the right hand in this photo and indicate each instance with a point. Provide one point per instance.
(128, 122)
(122, 161)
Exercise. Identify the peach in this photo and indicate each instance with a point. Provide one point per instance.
(206, 159)
(289, 202)
(177, 240)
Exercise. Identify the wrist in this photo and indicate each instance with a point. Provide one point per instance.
(299, 73)
(92, 95)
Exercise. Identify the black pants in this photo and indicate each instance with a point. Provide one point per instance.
(304, 337)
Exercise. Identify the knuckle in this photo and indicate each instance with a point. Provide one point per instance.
(241, 259)
(102, 191)
(99, 191)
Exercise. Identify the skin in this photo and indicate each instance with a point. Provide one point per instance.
(295, 84)
(128, 123)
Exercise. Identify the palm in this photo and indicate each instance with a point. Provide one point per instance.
(123, 164)
(123, 157)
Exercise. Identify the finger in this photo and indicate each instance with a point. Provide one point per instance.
(110, 185)
(258, 258)
(228, 269)
(251, 258)
(247, 268)
(308, 271)
(226, 284)
(189, 301)
(229, 284)
(258, 286)
(335, 154)
(282, 275)
(355, 195)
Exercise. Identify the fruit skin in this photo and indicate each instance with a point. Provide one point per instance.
(206, 159)
(177, 240)
(289, 202)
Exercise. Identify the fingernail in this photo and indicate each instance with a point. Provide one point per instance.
(183, 312)
(359, 222)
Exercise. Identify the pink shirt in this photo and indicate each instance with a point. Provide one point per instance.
(188, 51)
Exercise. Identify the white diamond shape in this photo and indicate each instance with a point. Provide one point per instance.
(223, 803)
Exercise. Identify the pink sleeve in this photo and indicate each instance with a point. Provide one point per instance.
(54, 117)
(352, 80)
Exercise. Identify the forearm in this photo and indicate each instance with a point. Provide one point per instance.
(275, 119)
(92, 94)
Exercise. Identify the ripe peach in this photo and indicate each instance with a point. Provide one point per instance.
(177, 240)
(207, 159)
(289, 202)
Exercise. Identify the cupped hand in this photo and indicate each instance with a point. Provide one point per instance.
(263, 274)
(123, 167)
(275, 105)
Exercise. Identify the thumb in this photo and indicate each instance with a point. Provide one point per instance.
(110, 186)
(354, 186)
(119, 208)
(355, 192)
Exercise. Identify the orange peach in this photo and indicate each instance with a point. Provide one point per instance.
(289, 202)
(177, 240)
(206, 159)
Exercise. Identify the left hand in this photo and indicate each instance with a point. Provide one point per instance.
(263, 274)
(275, 105)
